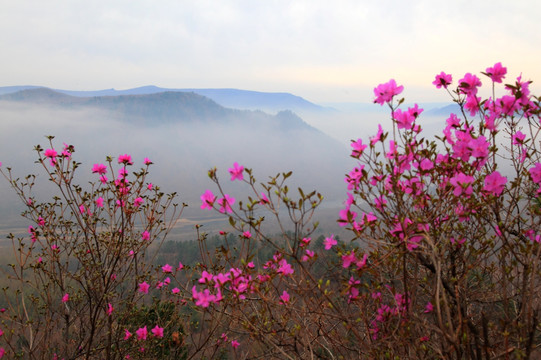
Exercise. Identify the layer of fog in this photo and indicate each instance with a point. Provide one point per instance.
(182, 155)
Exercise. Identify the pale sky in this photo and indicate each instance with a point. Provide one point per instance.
(324, 51)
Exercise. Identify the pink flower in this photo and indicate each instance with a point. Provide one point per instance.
(157, 331)
(462, 184)
(443, 79)
(167, 268)
(426, 165)
(125, 159)
(497, 72)
(518, 138)
(51, 154)
(284, 298)
(358, 147)
(180, 266)
(479, 147)
(145, 235)
(495, 183)
(175, 291)
(99, 168)
(235, 344)
(468, 84)
(247, 234)
(374, 140)
(348, 259)
(236, 172)
(385, 92)
(205, 277)
(404, 119)
(225, 203)
(110, 309)
(143, 287)
(535, 173)
(329, 242)
(309, 255)
(2, 352)
(142, 333)
(264, 199)
(285, 268)
(203, 298)
(138, 202)
(429, 307)
(147, 161)
(149, 186)
(65, 298)
(207, 200)
(127, 334)
(99, 202)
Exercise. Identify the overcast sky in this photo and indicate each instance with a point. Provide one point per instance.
(324, 51)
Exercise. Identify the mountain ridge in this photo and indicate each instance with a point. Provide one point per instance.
(227, 97)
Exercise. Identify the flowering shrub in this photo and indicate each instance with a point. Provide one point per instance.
(442, 262)
(75, 280)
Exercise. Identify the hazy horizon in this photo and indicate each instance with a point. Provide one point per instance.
(324, 52)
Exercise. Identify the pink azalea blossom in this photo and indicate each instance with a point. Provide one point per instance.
(175, 291)
(157, 331)
(145, 235)
(125, 159)
(518, 138)
(180, 266)
(203, 298)
(142, 333)
(147, 161)
(51, 154)
(348, 259)
(535, 173)
(468, 84)
(138, 202)
(385, 92)
(99, 168)
(374, 140)
(167, 268)
(443, 79)
(247, 234)
(127, 334)
(236, 172)
(497, 72)
(99, 202)
(207, 200)
(284, 298)
(462, 184)
(429, 307)
(264, 199)
(225, 204)
(235, 344)
(110, 309)
(284, 268)
(358, 147)
(329, 242)
(144, 287)
(495, 183)
(66, 297)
